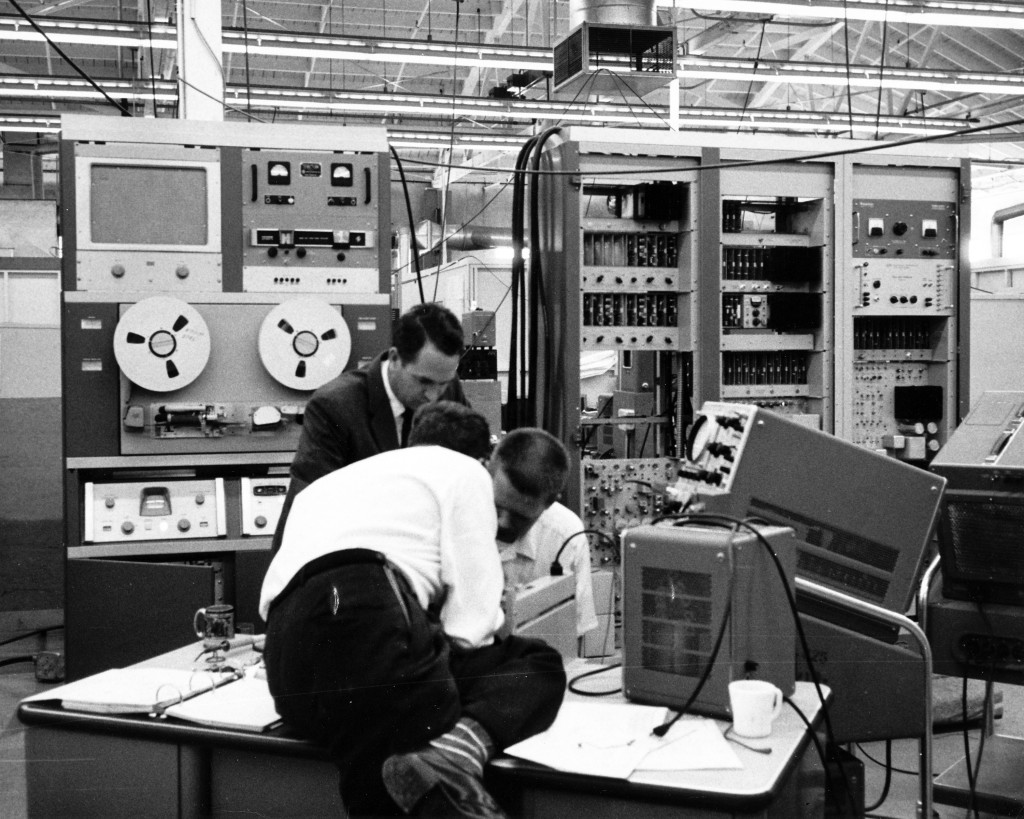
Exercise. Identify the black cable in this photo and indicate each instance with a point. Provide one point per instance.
(32, 633)
(881, 68)
(881, 764)
(556, 567)
(245, 39)
(412, 226)
(887, 782)
(750, 85)
(68, 60)
(817, 742)
(451, 131)
(27, 658)
(152, 64)
(804, 645)
(665, 727)
(972, 779)
(513, 415)
(846, 62)
(585, 674)
(538, 293)
(748, 163)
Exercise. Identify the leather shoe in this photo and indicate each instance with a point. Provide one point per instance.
(426, 783)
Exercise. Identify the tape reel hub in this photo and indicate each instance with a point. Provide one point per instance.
(306, 344)
(162, 344)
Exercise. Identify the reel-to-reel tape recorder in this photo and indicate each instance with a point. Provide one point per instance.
(227, 374)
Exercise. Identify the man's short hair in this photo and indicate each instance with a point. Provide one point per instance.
(534, 461)
(425, 322)
(452, 425)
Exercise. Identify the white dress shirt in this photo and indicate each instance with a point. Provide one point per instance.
(429, 509)
(531, 556)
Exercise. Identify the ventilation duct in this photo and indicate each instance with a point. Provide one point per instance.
(612, 12)
(613, 48)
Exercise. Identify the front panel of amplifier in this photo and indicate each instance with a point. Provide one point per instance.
(154, 510)
(311, 222)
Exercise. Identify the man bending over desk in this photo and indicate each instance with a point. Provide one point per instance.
(382, 610)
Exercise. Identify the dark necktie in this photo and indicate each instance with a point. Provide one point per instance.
(406, 426)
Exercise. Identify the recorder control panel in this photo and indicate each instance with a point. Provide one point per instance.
(157, 510)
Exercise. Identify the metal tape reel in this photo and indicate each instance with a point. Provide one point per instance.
(304, 343)
(161, 344)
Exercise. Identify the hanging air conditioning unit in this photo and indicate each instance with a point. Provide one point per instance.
(616, 59)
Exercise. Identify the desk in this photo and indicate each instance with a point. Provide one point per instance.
(83, 764)
(102, 765)
(788, 783)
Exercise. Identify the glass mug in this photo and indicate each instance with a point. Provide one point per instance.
(214, 624)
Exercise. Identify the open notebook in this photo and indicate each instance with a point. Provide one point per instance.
(245, 705)
(134, 690)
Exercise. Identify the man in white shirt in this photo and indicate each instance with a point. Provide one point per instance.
(529, 468)
(382, 607)
(557, 536)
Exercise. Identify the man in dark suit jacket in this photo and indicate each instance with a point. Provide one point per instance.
(362, 412)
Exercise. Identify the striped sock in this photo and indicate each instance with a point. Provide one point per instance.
(467, 745)
(455, 760)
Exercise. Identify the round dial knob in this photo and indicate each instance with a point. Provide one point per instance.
(127, 527)
(184, 525)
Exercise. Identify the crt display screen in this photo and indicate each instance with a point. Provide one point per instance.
(148, 205)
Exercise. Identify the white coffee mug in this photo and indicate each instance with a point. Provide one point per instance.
(755, 705)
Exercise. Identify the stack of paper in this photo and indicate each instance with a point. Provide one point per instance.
(615, 739)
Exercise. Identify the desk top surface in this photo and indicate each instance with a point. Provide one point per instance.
(762, 774)
(241, 654)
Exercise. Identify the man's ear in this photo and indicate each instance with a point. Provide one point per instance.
(393, 356)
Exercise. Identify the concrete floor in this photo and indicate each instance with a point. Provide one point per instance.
(900, 803)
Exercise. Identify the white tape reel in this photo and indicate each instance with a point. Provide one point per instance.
(304, 343)
(161, 344)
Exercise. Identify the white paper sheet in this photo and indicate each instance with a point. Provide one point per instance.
(692, 744)
(614, 740)
(599, 739)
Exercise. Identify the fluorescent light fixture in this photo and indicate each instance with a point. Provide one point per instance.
(437, 141)
(909, 79)
(1005, 15)
(30, 123)
(90, 32)
(589, 113)
(66, 88)
(487, 111)
(284, 44)
(388, 51)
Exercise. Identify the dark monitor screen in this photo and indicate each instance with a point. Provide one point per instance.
(140, 205)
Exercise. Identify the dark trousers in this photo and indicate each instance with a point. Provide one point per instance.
(356, 665)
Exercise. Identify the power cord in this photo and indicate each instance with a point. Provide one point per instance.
(583, 692)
